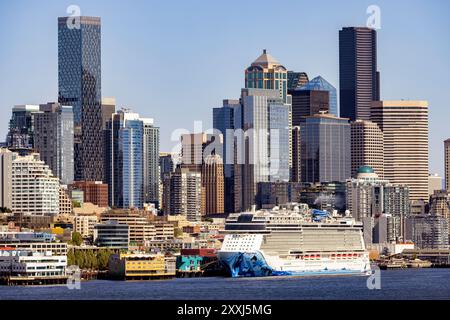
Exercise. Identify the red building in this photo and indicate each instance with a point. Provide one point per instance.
(95, 192)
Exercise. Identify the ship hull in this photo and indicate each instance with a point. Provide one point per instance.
(256, 264)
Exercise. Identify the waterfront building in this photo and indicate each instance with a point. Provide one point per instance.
(95, 192)
(34, 188)
(366, 147)
(141, 266)
(6, 159)
(435, 183)
(428, 231)
(325, 151)
(405, 134)
(20, 136)
(22, 263)
(296, 80)
(358, 76)
(33, 241)
(79, 85)
(53, 139)
(112, 234)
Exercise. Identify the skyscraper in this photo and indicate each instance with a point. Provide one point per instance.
(223, 121)
(53, 139)
(447, 163)
(21, 128)
(325, 151)
(320, 84)
(132, 161)
(296, 79)
(267, 73)
(307, 103)
(405, 134)
(367, 147)
(35, 190)
(358, 76)
(79, 85)
(213, 184)
(262, 143)
(151, 162)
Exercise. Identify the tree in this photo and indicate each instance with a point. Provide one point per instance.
(178, 233)
(76, 204)
(5, 210)
(77, 239)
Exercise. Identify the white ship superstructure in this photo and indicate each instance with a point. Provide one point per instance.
(293, 241)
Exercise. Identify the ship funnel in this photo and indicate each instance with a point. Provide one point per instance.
(253, 208)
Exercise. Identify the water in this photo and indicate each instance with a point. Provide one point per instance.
(395, 284)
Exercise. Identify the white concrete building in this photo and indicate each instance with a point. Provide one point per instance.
(35, 190)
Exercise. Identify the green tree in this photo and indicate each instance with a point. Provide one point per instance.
(76, 204)
(71, 257)
(77, 239)
(178, 233)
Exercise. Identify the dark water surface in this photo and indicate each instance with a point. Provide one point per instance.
(395, 284)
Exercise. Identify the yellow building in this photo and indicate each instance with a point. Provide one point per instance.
(141, 266)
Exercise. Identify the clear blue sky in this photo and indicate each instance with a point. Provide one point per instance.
(175, 60)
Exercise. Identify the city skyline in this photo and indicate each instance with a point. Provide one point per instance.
(156, 77)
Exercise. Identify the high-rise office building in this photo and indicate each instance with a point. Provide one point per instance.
(223, 121)
(79, 84)
(35, 190)
(296, 155)
(405, 134)
(296, 79)
(166, 163)
(358, 76)
(267, 73)
(325, 151)
(6, 159)
(53, 139)
(213, 184)
(151, 162)
(447, 163)
(108, 109)
(320, 84)
(132, 162)
(194, 149)
(263, 143)
(367, 147)
(306, 103)
(20, 136)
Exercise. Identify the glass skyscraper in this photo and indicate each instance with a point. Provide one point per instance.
(79, 86)
(325, 149)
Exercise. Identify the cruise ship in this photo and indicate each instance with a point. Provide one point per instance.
(293, 240)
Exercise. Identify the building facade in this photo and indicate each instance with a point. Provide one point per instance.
(405, 135)
(320, 84)
(367, 147)
(447, 163)
(358, 76)
(20, 136)
(325, 151)
(95, 192)
(35, 190)
(213, 185)
(79, 86)
(53, 139)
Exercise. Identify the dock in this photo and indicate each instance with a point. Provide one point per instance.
(33, 281)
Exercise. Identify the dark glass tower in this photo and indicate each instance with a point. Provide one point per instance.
(79, 85)
(358, 76)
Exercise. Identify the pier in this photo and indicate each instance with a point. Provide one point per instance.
(32, 281)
